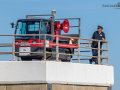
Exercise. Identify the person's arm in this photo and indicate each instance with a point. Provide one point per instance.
(103, 37)
(89, 42)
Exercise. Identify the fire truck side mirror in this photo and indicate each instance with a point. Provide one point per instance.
(12, 25)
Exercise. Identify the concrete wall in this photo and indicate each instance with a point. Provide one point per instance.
(17, 72)
(54, 87)
(81, 74)
(14, 72)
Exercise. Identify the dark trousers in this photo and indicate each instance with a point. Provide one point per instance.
(94, 53)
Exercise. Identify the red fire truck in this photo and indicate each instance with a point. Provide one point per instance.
(36, 25)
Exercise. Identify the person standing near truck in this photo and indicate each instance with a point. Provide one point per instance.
(98, 35)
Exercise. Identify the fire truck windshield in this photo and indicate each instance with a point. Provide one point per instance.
(32, 27)
(27, 28)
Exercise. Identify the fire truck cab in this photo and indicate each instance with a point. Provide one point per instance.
(41, 26)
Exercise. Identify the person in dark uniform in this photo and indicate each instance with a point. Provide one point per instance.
(98, 35)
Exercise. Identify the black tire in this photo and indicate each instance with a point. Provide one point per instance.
(48, 56)
(67, 57)
(26, 59)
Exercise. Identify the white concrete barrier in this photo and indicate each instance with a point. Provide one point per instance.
(15, 72)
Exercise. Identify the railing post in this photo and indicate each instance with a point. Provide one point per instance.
(57, 49)
(44, 47)
(98, 52)
(107, 53)
(78, 50)
(13, 47)
(102, 55)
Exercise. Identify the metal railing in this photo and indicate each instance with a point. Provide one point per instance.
(78, 46)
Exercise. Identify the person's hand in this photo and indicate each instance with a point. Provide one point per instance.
(87, 45)
(103, 39)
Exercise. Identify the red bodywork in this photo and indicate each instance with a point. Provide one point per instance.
(26, 44)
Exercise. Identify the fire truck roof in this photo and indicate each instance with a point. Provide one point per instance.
(21, 20)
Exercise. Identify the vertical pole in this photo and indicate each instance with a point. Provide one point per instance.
(57, 49)
(53, 19)
(99, 52)
(107, 53)
(44, 47)
(13, 47)
(79, 27)
(102, 55)
(18, 58)
(78, 50)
